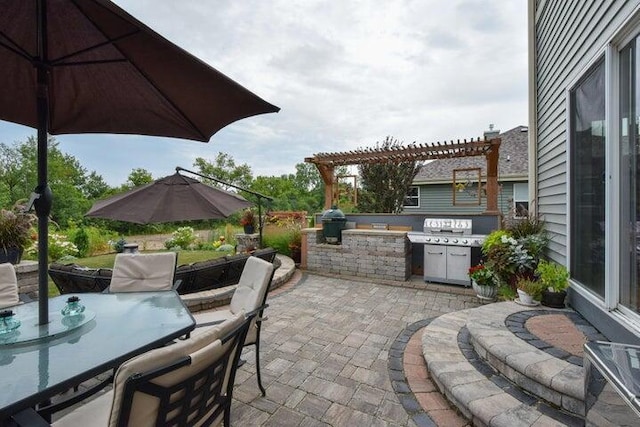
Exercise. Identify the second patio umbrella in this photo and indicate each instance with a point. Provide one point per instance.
(172, 198)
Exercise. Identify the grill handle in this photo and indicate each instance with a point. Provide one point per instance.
(454, 254)
(435, 253)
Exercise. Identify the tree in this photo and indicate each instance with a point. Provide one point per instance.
(66, 178)
(139, 176)
(95, 187)
(224, 168)
(12, 181)
(385, 185)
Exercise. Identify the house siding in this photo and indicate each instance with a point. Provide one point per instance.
(566, 39)
(438, 198)
(569, 36)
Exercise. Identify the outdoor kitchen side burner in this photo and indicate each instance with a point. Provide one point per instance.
(448, 244)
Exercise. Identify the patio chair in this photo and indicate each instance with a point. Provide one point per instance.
(144, 272)
(183, 384)
(8, 286)
(250, 295)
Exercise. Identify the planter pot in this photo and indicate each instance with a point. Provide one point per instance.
(525, 298)
(249, 229)
(12, 255)
(484, 292)
(553, 299)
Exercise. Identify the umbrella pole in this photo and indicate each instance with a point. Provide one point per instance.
(43, 201)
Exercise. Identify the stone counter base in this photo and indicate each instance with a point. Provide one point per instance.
(379, 254)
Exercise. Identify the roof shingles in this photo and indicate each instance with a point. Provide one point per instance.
(513, 162)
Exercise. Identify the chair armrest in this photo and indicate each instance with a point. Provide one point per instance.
(212, 323)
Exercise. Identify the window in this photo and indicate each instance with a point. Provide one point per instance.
(587, 180)
(629, 78)
(520, 200)
(412, 199)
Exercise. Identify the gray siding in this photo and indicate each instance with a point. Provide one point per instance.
(438, 198)
(565, 47)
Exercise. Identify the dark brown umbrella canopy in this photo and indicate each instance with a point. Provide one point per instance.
(87, 66)
(109, 73)
(172, 198)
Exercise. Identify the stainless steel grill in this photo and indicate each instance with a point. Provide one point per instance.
(447, 249)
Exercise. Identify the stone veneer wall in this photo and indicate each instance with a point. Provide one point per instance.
(27, 275)
(380, 254)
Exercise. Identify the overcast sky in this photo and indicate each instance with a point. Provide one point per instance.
(345, 74)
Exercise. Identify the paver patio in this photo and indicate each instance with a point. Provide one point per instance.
(324, 354)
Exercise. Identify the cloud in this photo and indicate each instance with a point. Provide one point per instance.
(345, 74)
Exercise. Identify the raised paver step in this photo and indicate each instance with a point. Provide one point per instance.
(548, 375)
(474, 387)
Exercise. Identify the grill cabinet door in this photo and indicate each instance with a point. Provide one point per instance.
(458, 263)
(435, 262)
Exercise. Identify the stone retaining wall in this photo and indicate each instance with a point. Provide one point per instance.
(27, 274)
(380, 254)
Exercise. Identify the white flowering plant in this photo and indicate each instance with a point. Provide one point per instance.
(59, 247)
(183, 237)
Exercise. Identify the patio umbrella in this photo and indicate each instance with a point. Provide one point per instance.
(172, 198)
(87, 66)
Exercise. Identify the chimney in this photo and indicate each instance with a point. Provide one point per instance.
(491, 133)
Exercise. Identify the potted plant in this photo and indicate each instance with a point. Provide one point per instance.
(483, 282)
(295, 245)
(15, 233)
(555, 280)
(248, 221)
(529, 291)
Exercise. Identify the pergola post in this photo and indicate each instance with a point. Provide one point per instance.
(492, 156)
(326, 172)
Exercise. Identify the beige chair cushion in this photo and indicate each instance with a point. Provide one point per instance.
(249, 294)
(93, 413)
(253, 285)
(143, 272)
(8, 286)
(203, 349)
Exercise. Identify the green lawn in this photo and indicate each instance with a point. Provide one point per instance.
(184, 257)
(106, 261)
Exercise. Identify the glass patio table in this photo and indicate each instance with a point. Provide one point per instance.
(114, 328)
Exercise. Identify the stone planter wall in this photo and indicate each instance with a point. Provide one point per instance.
(27, 274)
(380, 254)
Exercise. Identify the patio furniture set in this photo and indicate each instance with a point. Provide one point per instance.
(168, 368)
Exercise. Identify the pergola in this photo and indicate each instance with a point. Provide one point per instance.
(326, 162)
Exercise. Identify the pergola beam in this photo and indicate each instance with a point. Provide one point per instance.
(326, 162)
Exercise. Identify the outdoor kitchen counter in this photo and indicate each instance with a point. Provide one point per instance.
(382, 254)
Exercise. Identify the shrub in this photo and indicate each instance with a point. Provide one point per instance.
(118, 245)
(183, 237)
(532, 287)
(482, 275)
(554, 277)
(81, 240)
(59, 247)
(15, 229)
(532, 224)
(493, 239)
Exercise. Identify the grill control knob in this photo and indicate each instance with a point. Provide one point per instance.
(455, 240)
(465, 241)
(428, 239)
(445, 240)
(436, 239)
